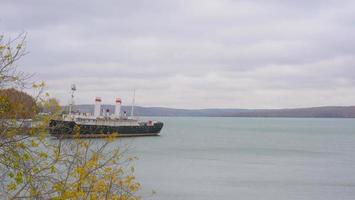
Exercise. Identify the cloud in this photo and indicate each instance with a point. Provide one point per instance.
(210, 53)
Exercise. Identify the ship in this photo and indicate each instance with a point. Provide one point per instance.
(102, 123)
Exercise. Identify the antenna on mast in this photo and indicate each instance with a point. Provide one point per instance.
(71, 105)
(133, 102)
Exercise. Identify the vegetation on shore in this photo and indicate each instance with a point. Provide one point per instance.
(17, 104)
(32, 166)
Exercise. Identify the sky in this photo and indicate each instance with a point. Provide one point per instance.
(190, 53)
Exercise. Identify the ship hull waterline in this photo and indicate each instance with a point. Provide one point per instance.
(70, 129)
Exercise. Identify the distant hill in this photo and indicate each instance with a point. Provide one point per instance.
(315, 112)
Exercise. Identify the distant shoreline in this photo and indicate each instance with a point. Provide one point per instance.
(313, 112)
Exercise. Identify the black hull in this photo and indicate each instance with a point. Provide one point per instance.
(65, 129)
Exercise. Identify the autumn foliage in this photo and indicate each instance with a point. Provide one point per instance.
(35, 166)
(17, 104)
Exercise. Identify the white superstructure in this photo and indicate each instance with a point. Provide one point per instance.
(97, 110)
(102, 118)
(118, 108)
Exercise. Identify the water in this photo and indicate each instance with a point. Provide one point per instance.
(248, 158)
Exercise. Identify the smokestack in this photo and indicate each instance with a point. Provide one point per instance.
(118, 107)
(97, 107)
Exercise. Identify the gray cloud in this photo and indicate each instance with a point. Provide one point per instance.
(210, 53)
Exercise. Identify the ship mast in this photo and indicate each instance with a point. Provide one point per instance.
(71, 105)
(133, 102)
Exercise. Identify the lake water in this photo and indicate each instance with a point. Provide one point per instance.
(248, 158)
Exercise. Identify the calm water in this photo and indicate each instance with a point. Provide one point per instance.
(248, 158)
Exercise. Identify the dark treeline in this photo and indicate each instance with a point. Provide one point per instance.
(315, 112)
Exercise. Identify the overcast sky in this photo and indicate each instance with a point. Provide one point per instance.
(192, 53)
